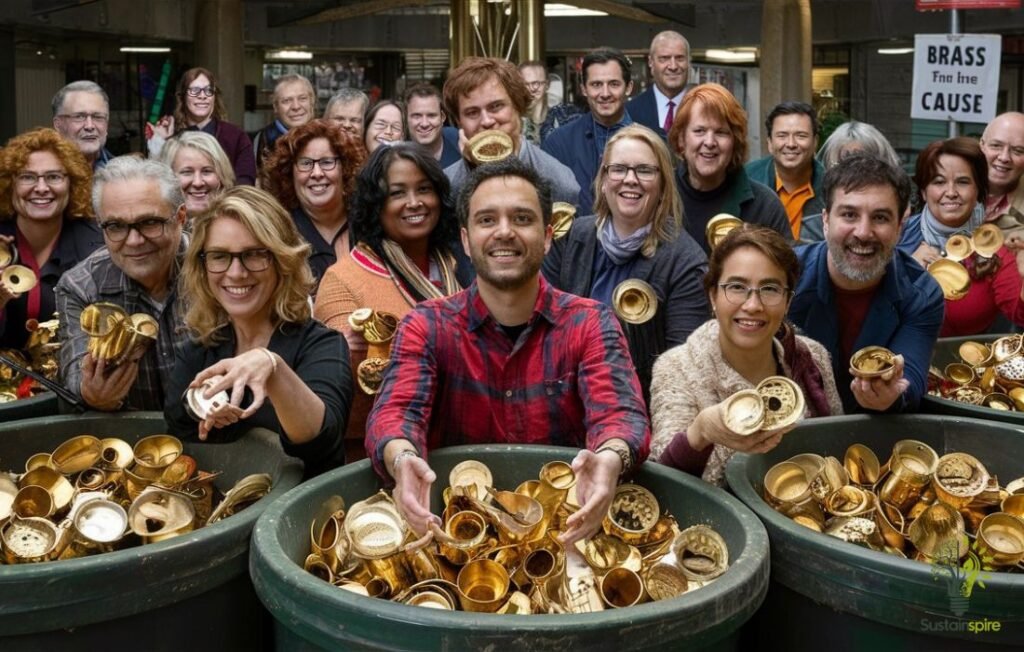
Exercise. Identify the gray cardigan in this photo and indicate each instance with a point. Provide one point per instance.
(676, 272)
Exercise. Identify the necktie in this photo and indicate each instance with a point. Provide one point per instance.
(669, 116)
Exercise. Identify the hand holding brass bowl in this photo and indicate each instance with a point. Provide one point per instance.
(777, 402)
(872, 362)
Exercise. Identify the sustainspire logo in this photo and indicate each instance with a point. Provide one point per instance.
(961, 580)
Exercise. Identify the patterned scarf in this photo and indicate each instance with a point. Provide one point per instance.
(936, 233)
(405, 271)
(621, 250)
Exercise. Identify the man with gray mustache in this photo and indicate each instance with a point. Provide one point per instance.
(857, 290)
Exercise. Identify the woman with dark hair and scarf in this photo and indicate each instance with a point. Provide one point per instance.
(404, 234)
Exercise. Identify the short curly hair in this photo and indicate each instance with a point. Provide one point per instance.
(14, 158)
(716, 102)
(277, 177)
(275, 230)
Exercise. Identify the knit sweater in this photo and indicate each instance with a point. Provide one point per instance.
(695, 375)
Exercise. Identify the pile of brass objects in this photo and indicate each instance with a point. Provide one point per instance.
(94, 495)
(776, 402)
(950, 272)
(378, 328)
(40, 355)
(114, 335)
(989, 376)
(498, 551)
(917, 505)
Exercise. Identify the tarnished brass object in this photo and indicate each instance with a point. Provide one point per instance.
(720, 226)
(158, 515)
(634, 301)
(489, 146)
(76, 454)
(198, 406)
(30, 540)
(958, 479)
(378, 329)
(18, 278)
(499, 551)
(370, 374)
(776, 402)
(114, 335)
(562, 216)
(871, 362)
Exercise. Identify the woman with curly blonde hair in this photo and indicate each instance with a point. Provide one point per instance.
(45, 211)
(247, 283)
(312, 172)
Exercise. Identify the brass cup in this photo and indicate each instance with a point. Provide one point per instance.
(702, 553)
(155, 453)
(330, 544)
(787, 483)
(467, 532)
(744, 412)
(621, 587)
(862, 465)
(543, 563)
(938, 533)
(483, 585)
(38, 460)
(871, 362)
(76, 454)
(1003, 536)
(1014, 505)
(960, 373)
(958, 479)
(33, 501)
(910, 469)
(99, 524)
(60, 489)
(158, 515)
(634, 301)
(556, 479)
(632, 513)
(665, 578)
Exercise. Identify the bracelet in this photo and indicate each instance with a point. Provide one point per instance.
(273, 360)
(625, 455)
(402, 454)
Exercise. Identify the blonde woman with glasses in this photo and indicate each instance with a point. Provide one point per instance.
(636, 232)
(246, 285)
(45, 189)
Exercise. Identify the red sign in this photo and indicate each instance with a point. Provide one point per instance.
(926, 5)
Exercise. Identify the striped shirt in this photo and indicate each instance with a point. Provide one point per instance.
(98, 279)
(457, 378)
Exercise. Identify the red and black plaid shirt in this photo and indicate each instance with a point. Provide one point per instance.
(457, 378)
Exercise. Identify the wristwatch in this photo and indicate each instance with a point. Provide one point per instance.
(625, 455)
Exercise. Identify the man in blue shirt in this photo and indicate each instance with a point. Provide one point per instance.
(857, 290)
(580, 144)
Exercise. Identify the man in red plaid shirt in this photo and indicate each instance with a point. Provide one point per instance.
(511, 359)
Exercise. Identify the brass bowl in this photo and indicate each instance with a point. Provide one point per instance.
(975, 354)
(871, 362)
(1006, 347)
(959, 478)
(720, 226)
(490, 145)
(783, 402)
(952, 277)
(959, 247)
(33, 501)
(155, 453)
(987, 240)
(634, 301)
(375, 527)
(38, 460)
(701, 553)
(744, 412)
(960, 373)
(58, 486)
(632, 513)
(158, 515)
(787, 482)
(76, 454)
(100, 521)
(1003, 536)
(29, 540)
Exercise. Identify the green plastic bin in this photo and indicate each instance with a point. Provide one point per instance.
(190, 592)
(834, 595)
(310, 614)
(43, 405)
(947, 351)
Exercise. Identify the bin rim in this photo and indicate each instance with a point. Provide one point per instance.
(266, 552)
(155, 552)
(737, 475)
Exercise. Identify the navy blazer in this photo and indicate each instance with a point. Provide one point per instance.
(573, 146)
(644, 110)
(905, 317)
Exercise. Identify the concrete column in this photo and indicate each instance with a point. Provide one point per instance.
(219, 47)
(785, 53)
(463, 42)
(531, 30)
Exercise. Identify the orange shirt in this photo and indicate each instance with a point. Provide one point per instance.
(794, 202)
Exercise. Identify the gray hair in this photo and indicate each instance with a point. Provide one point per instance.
(868, 138)
(206, 144)
(292, 78)
(82, 86)
(346, 95)
(131, 167)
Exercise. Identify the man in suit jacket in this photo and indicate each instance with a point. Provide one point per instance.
(669, 59)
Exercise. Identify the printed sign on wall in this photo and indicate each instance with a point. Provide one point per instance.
(956, 76)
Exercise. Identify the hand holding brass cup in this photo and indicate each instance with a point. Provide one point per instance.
(872, 362)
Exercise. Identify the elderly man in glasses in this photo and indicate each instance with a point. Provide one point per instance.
(140, 208)
(81, 113)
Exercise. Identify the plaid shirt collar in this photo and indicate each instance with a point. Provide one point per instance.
(479, 314)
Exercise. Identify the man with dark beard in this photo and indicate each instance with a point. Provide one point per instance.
(509, 360)
(856, 290)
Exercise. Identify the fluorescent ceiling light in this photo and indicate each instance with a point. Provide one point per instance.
(731, 56)
(290, 55)
(563, 11)
(895, 50)
(144, 49)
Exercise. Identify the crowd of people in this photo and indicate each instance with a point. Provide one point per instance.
(253, 255)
